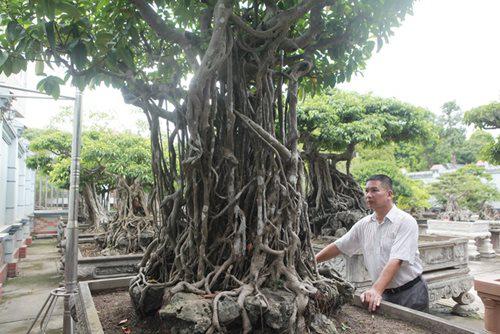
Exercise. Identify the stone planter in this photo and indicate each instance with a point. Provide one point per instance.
(445, 263)
(101, 267)
(83, 238)
(477, 232)
(494, 228)
(422, 226)
(88, 318)
(89, 323)
(489, 292)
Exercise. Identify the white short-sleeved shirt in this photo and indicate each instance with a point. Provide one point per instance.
(395, 238)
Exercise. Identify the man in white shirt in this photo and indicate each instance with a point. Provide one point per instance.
(388, 239)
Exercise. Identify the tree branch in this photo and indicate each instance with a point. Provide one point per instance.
(164, 31)
(266, 136)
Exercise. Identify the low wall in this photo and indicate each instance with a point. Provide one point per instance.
(46, 222)
(477, 233)
(101, 267)
(14, 242)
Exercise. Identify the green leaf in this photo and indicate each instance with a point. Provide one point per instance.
(126, 56)
(101, 4)
(39, 65)
(7, 67)
(370, 45)
(18, 64)
(49, 8)
(79, 54)
(79, 81)
(3, 57)
(51, 37)
(21, 46)
(50, 85)
(14, 31)
(102, 39)
(70, 9)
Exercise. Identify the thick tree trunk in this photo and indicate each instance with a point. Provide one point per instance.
(335, 199)
(96, 214)
(133, 227)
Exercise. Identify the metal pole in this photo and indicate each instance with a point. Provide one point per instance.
(33, 91)
(51, 196)
(70, 264)
(40, 189)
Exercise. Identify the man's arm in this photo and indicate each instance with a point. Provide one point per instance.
(373, 296)
(327, 253)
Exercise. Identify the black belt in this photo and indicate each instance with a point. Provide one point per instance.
(404, 287)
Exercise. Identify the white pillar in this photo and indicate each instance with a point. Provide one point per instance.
(11, 193)
(29, 203)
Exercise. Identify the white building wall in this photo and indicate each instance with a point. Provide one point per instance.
(4, 155)
(17, 188)
(21, 178)
(29, 190)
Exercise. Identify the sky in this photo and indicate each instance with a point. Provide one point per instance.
(447, 50)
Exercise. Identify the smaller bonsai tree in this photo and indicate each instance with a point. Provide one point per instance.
(465, 189)
(332, 126)
(110, 162)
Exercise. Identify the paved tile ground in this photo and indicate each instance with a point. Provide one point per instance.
(24, 295)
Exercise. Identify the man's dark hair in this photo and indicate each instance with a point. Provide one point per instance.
(384, 179)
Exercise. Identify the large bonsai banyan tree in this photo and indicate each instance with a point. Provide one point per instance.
(331, 126)
(231, 201)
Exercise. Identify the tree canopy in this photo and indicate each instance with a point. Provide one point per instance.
(484, 117)
(153, 46)
(104, 156)
(447, 141)
(338, 119)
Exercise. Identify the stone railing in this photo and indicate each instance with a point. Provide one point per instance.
(478, 233)
(444, 260)
(494, 228)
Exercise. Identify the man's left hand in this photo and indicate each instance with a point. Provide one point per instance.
(372, 297)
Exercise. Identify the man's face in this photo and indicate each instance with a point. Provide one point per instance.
(377, 195)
